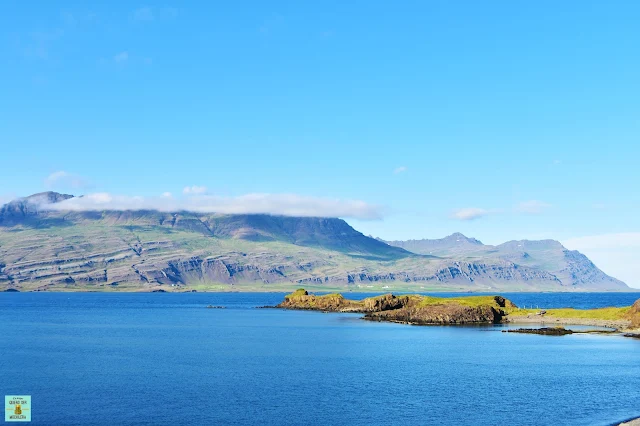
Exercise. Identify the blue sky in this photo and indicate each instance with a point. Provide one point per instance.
(502, 120)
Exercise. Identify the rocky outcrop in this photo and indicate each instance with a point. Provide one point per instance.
(386, 302)
(415, 309)
(302, 300)
(634, 315)
(444, 312)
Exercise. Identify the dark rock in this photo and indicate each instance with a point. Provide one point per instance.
(547, 331)
(446, 313)
(385, 302)
(504, 303)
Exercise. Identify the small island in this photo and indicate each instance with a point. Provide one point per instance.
(429, 310)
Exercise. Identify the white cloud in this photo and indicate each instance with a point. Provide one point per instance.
(275, 204)
(470, 213)
(63, 179)
(195, 189)
(400, 169)
(121, 57)
(167, 194)
(532, 207)
(616, 254)
(98, 198)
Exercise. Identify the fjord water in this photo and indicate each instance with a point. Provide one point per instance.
(104, 359)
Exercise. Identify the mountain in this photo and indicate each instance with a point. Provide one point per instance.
(454, 244)
(569, 266)
(24, 209)
(42, 248)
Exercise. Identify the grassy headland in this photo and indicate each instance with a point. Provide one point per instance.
(418, 309)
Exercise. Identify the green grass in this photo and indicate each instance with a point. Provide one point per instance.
(330, 295)
(299, 292)
(608, 314)
(470, 301)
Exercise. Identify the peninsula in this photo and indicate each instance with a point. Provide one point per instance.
(426, 310)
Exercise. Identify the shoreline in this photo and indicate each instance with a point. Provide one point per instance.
(470, 309)
(618, 325)
(630, 422)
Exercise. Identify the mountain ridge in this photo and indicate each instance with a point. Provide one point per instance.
(568, 265)
(44, 249)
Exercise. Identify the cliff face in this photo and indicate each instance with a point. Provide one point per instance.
(442, 314)
(44, 249)
(571, 269)
(462, 310)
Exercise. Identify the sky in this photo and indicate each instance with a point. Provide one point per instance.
(502, 120)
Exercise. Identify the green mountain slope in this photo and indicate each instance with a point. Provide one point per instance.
(43, 249)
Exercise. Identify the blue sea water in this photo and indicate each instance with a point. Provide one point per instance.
(163, 359)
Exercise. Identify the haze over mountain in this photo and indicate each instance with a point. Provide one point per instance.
(45, 248)
(569, 266)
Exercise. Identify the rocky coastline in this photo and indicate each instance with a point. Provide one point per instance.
(409, 309)
(428, 310)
